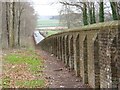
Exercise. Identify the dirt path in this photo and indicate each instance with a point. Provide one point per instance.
(57, 75)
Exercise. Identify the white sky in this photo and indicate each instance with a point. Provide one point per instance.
(43, 7)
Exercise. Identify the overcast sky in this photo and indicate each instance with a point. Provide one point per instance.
(44, 7)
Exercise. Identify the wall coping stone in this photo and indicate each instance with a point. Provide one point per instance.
(96, 26)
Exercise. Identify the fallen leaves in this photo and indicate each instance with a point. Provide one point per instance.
(20, 72)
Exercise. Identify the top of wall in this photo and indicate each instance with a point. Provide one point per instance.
(97, 26)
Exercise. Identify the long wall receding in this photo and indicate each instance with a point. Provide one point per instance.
(92, 52)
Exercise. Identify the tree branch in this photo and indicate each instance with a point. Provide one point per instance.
(73, 4)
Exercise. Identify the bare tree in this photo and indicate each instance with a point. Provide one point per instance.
(115, 12)
(21, 7)
(91, 9)
(0, 23)
(17, 15)
(7, 22)
(101, 11)
(80, 5)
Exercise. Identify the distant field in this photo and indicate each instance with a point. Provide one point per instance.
(42, 23)
(52, 32)
(47, 23)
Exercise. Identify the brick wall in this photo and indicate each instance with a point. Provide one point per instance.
(92, 52)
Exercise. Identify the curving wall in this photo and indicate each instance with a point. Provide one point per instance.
(92, 52)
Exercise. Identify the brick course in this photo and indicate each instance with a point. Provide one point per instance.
(92, 52)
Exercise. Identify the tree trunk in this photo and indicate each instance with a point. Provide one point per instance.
(7, 23)
(118, 10)
(19, 31)
(11, 25)
(85, 18)
(19, 23)
(90, 12)
(101, 11)
(67, 16)
(94, 18)
(114, 10)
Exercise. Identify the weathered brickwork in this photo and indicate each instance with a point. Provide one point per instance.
(92, 52)
(108, 54)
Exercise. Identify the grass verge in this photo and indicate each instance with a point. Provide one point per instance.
(31, 83)
(23, 69)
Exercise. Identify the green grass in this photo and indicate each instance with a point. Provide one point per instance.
(34, 66)
(6, 82)
(52, 32)
(47, 23)
(31, 83)
(30, 59)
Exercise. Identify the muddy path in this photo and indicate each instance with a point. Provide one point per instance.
(57, 75)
